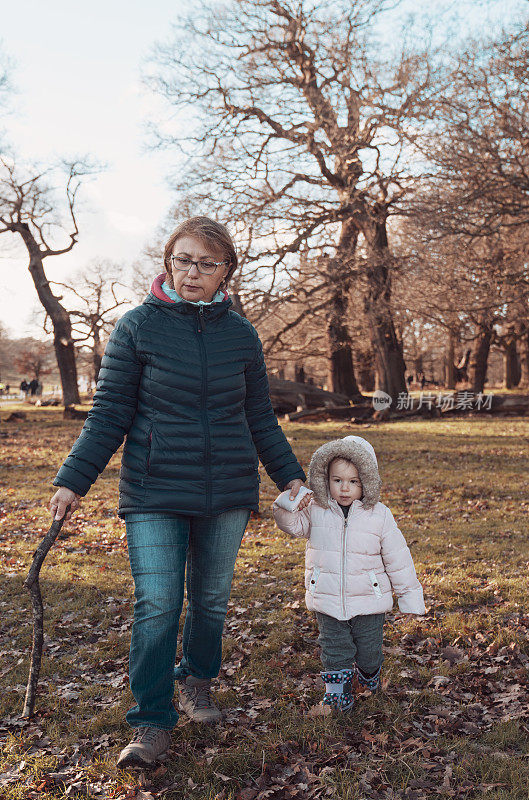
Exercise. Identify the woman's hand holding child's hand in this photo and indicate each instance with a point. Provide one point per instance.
(294, 487)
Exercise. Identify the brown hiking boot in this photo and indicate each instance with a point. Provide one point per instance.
(195, 699)
(147, 745)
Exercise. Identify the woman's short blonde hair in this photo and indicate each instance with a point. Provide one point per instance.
(210, 232)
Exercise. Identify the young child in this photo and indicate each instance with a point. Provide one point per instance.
(355, 558)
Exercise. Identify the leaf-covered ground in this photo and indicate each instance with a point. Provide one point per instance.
(453, 718)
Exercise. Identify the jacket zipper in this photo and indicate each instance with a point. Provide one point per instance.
(344, 555)
(344, 551)
(207, 448)
(149, 453)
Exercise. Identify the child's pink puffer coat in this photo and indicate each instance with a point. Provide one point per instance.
(352, 566)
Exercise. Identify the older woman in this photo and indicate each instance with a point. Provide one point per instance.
(183, 378)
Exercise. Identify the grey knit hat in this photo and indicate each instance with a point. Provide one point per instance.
(355, 449)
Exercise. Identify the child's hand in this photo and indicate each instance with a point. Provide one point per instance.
(297, 496)
(305, 501)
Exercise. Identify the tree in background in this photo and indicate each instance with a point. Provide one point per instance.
(302, 131)
(34, 360)
(4, 358)
(473, 208)
(30, 208)
(98, 291)
(445, 293)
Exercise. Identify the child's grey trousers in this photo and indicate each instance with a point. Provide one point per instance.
(344, 642)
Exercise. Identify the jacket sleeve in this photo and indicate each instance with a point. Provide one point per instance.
(111, 415)
(296, 523)
(400, 568)
(270, 442)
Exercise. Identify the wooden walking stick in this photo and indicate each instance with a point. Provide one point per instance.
(32, 584)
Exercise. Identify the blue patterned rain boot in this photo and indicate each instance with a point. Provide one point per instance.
(338, 689)
(372, 683)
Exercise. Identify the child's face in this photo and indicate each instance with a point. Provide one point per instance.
(344, 483)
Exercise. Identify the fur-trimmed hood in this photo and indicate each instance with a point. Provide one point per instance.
(357, 450)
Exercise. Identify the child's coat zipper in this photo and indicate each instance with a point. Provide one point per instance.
(344, 551)
(344, 554)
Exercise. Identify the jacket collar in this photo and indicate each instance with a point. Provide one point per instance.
(158, 297)
(355, 505)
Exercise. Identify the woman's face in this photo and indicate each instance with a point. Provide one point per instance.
(192, 284)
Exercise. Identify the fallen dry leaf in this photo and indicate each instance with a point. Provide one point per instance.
(319, 710)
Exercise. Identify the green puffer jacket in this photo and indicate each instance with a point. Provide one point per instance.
(187, 387)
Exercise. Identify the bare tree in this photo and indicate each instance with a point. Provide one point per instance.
(474, 204)
(29, 208)
(34, 360)
(98, 291)
(4, 340)
(298, 125)
(467, 288)
(479, 145)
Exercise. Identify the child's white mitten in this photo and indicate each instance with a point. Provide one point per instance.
(284, 501)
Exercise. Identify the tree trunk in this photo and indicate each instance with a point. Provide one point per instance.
(418, 366)
(461, 368)
(65, 353)
(234, 291)
(237, 303)
(341, 376)
(299, 374)
(389, 360)
(62, 328)
(97, 355)
(364, 368)
(524, 357)
(341, 371)
(511, 365)
(450, 364)
(480, 354)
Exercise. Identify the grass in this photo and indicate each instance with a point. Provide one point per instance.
(452, 720)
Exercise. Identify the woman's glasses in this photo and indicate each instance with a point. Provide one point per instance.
(205, 267)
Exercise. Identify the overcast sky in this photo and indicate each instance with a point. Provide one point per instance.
(77, 78)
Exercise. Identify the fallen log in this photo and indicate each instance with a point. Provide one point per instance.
(289, 396)
(350, 413)
(439, 406)
(488, 404)
(511, 403)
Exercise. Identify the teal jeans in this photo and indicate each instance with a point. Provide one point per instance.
(160, 547)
